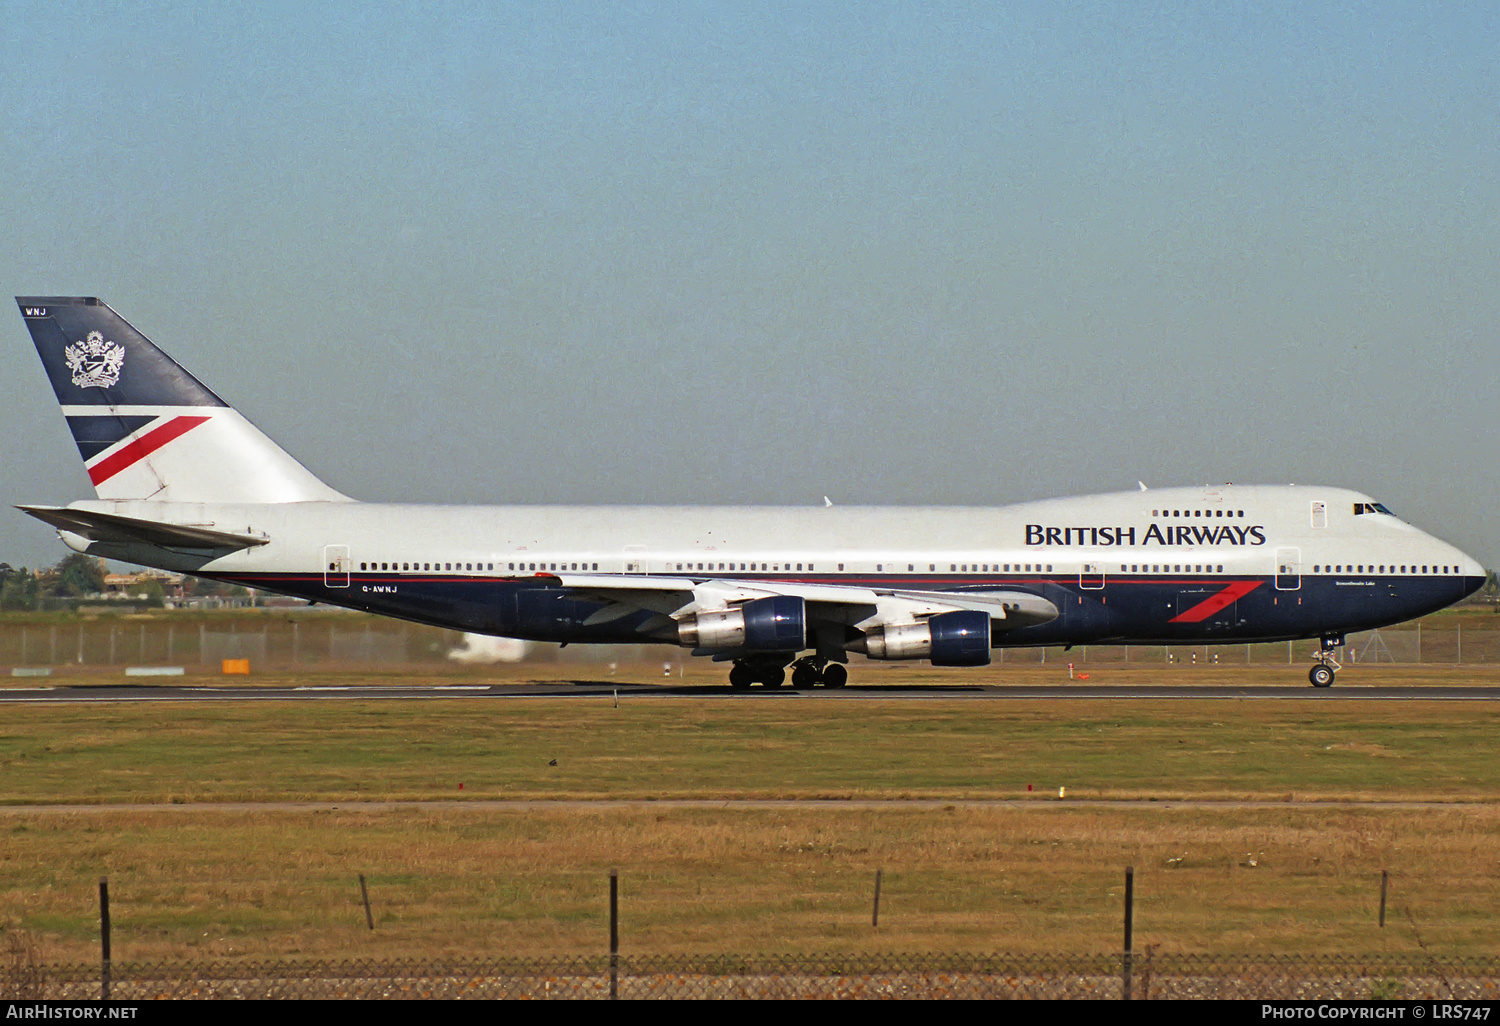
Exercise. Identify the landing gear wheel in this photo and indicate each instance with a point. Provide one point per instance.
(773, 678)
(1321, 676)
(740, 677)
(835, 676)
(804, 675)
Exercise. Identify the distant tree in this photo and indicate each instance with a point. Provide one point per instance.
(19, 589)
(156, 595)
(78, 575)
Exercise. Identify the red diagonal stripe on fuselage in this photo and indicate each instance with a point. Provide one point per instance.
(142, 447)
(1215, 602)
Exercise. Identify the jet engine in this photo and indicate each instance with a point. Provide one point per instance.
(775, 624)
(959, 638)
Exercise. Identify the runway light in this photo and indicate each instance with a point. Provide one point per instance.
(1062, 792)
(1028, 787)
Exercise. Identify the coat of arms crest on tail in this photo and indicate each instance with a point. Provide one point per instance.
(95, 362)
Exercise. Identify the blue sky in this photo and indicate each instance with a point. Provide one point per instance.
(759, 253)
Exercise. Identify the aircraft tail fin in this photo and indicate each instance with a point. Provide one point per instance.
(146, 428)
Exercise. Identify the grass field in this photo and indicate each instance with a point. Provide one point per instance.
(453, 882)
(1289, 873)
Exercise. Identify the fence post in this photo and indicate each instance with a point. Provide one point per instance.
(104, 938)
(614, 934)
(364, 894)
(1129, 924)
(1385, 877)
(875, 915)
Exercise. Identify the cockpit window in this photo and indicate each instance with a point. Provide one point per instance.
(1371, 507)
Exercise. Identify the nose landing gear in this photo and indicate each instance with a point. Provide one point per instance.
(1321, 675)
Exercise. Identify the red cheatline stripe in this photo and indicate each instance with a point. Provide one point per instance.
(142, 447)
(1219, 600)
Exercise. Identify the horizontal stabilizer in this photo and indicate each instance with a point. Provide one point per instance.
(110, 527)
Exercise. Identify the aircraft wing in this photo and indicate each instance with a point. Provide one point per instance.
(857, 607)
(112, 527)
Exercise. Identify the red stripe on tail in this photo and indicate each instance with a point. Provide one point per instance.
(142, 447)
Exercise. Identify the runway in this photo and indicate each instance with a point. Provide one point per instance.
(595, 689)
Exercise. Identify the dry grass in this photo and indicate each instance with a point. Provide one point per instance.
(474, 880)
(484, 882)
(654, 748)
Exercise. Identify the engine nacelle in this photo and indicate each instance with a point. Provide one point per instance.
(959, 638)
(775, 624)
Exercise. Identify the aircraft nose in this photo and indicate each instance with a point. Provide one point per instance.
(1474, 575)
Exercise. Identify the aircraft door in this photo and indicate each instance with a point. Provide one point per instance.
(635, 559)
(1288, 569)
(336, 566)
(1091, 577)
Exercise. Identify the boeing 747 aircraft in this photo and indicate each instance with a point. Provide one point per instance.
(187, 484)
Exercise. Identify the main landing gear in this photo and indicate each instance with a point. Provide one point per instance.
(806, 673)
(1321, 675)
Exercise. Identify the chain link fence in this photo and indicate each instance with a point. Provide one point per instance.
(332, 641)
(925, 977)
